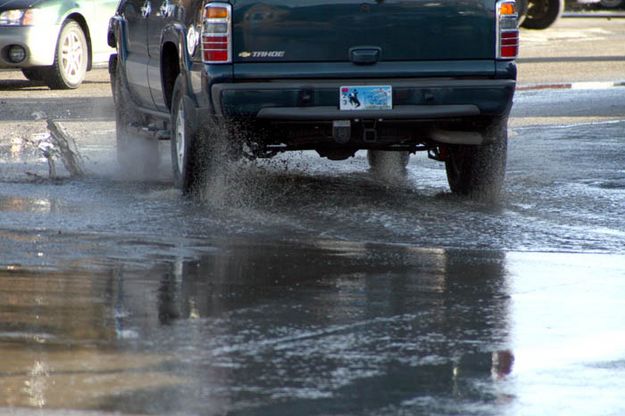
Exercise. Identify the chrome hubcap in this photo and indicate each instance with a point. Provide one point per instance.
(72, 57)
(180, 136)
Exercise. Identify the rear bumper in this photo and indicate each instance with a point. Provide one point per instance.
(314, 100)
(399, 112)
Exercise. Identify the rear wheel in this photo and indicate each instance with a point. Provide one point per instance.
(200, 150)
(137, 155)
(70, 59)
(388, 163)
(189, 147)
(479, 171)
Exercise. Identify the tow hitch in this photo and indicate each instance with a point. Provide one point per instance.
(341, 131)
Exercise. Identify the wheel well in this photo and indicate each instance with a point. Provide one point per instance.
(78, 18)
(170, 68)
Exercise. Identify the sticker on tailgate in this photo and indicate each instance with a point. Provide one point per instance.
(366, 97)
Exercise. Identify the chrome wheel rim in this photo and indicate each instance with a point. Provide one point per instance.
(180, 134)
(72, 57)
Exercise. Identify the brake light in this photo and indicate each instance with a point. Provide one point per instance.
(507, 30)
(216, 34)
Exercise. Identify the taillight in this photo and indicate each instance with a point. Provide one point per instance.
(507, 30)
(216, 34)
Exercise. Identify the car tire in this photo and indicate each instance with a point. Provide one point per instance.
(200, 149)
(543, 13)
(137, 155)
(70, 59)
(112, 68)
(388, 163)
(33, 74)
(478, 171)
(189, 148)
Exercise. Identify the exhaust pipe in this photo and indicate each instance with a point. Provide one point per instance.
(457, 137)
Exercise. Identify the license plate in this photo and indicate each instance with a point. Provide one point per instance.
(366, 97)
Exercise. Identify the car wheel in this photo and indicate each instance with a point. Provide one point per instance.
(200, 149)
(112, 67)
(542, 14)
(32, 74)
(388, 163)
(189, 150)
(137, 155)
(70, 60)
(478, 171)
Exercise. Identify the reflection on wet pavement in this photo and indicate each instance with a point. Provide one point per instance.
(57, 342)
(266, 327)
(17, 204)
(260, 327)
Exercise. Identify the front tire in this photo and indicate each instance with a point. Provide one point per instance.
(70, 59)
(479, 171)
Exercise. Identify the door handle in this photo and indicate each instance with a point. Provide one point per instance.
(365, 55)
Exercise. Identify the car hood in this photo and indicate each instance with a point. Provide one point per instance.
(18, 4)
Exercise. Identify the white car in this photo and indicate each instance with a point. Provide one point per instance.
(55, 41)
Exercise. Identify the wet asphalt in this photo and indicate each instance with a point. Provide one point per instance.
(305, 286)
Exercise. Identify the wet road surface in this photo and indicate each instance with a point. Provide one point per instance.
(336, 329)
(305, 286)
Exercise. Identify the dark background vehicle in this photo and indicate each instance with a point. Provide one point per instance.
(539, 14)
(54, 41)
(542, 14)
(255, 79)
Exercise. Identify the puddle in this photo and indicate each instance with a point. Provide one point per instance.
(19, 204)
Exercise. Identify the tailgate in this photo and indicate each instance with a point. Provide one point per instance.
(329, 30)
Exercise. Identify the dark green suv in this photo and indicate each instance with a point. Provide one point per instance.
(247, 78)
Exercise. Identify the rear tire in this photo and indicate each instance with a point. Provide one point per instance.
(200, 149)
(70, 59)
(138, 156)
(542, 13)
(479, 171)
(190, 154)
(388, 163)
